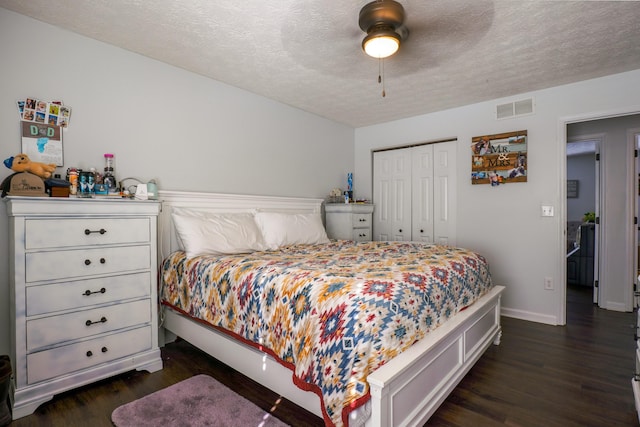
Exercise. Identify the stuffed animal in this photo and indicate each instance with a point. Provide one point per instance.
(22, 163)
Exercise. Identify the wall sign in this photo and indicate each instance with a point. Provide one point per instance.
(42, 142)
(498, 159)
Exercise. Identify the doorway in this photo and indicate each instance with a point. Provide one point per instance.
(616, 261)
(583, 207)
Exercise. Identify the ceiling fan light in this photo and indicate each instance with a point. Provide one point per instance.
(381, 44)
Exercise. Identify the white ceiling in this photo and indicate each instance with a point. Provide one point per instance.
(306, 53)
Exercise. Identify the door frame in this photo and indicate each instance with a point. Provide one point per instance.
(633, 136)
(598, 140)
(562, 189)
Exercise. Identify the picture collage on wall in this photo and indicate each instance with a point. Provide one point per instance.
(41, 125)
(51, 113)
(500, 158)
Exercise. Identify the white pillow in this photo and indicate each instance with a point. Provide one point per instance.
(217, 234)
(282, 229)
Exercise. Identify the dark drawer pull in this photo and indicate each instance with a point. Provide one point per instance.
(89, 322)
(104, 349)
(88, 261)
(362, 220)
(89, 292)
(102, 260)
(89, 353)
(101, 231)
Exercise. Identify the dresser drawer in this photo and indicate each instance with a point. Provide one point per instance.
(85, 262)
(48, 331)
(361, 220)
(69, 295)
(61, 233)
(75, 357)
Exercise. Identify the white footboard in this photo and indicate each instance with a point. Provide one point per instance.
(404, 392)
(409, 388)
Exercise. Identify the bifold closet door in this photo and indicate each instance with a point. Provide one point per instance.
(415, 193)
(444, 195)
(422, 193)
(392, 195)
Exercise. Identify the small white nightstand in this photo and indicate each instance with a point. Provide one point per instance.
(349, 221)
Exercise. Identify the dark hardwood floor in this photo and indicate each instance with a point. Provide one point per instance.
(540, 375)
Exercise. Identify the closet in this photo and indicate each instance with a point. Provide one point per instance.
(414, 190)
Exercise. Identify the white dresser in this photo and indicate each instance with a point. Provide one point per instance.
(350, 221)
(83, 293)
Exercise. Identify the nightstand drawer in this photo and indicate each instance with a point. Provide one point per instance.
(48, 331)
(361, 234)
(75, 357)
(69, 295)
(85, 262)
(361, 220)
(61, 233)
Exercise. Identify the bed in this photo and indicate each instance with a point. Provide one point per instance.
(405, 388)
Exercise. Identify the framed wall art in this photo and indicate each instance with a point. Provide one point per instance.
(572, 188)
(498, 159)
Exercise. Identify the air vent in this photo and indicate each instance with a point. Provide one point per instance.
(513, 109)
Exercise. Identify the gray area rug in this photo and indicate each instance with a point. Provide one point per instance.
(197, 401)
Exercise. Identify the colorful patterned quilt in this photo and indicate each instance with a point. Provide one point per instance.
(333, 312)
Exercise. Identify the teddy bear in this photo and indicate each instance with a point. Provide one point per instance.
(22, 163)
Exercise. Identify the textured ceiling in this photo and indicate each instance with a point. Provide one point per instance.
(307, 53)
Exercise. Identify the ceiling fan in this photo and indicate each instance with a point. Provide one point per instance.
(383, 21)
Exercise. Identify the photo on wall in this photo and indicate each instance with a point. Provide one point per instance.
(499, 159)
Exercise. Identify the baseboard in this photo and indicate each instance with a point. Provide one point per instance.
(615, 306)
(530, 316)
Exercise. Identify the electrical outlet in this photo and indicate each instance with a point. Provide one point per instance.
(548, 283)
(547, 210)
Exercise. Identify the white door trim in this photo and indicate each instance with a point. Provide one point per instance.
(561, 312)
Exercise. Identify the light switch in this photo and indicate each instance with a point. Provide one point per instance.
(547, 210)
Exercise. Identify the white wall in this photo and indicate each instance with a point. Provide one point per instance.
(189, 132)
(504, 222)
(583, 169)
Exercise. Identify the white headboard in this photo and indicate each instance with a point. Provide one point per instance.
(219, 203)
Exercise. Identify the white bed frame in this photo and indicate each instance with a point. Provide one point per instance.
(406, 391)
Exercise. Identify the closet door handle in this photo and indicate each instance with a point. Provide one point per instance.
(421, 230)
(400, 231)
